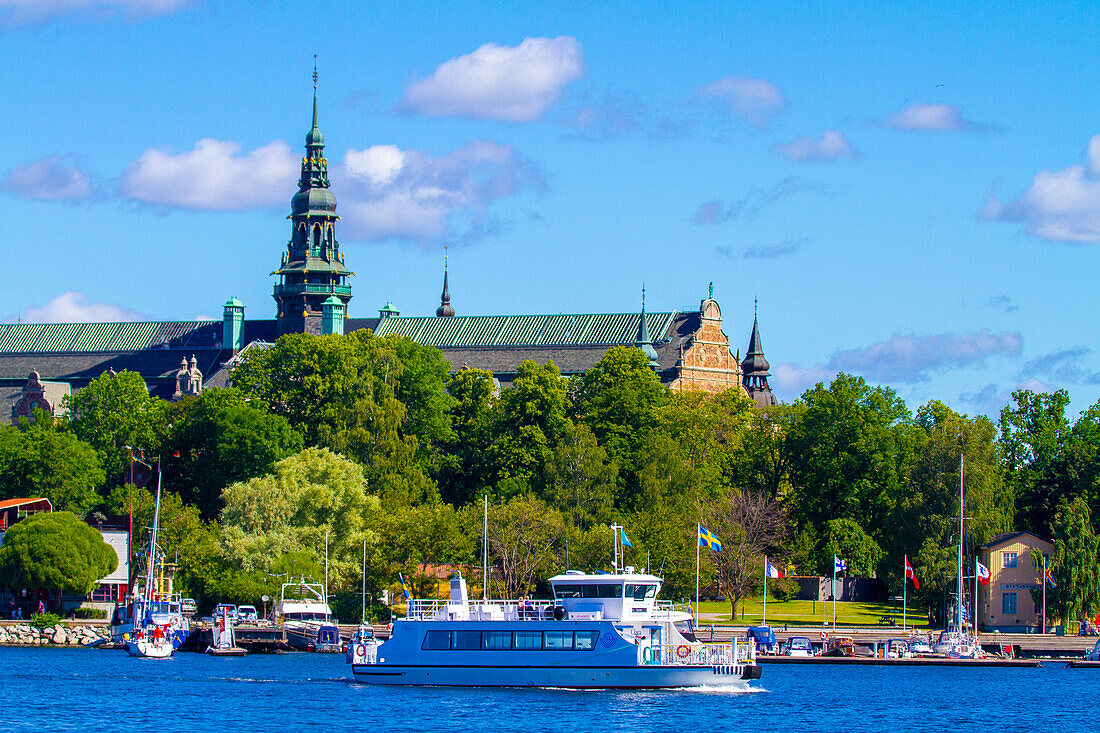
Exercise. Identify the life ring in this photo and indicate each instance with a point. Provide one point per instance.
(683, 651)
(361, 650)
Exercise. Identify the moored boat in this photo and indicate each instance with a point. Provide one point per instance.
(598, 631)
(304, 613)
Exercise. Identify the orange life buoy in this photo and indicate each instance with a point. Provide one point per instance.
(683, 651)
(361, 650)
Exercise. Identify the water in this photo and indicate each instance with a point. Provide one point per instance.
(92, 690)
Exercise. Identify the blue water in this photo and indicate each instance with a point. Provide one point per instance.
(91, 690)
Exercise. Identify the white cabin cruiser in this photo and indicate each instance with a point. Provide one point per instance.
(599, 631)
(304, 612)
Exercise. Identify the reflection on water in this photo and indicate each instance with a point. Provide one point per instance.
(92, 690)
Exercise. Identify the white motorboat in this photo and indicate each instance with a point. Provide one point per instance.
(223, 642)
(304, 612)
(154, 647)
(598, 631)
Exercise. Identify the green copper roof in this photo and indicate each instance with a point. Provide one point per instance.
(234, 302)
(52, 337)
(591, 329)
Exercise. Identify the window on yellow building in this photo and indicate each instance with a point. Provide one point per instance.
(1008, 604)
(1009, 560)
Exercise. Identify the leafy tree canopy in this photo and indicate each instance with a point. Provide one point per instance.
(55, 551)
(42, 458)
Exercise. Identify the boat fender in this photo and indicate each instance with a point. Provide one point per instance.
(559, 613)
(649, 655)
(683, 651)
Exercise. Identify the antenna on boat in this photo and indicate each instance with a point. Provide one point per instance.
(325, 589)
(615, 543)
(363, 599)
(485, 552)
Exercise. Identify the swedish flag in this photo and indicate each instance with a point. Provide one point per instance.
(404, 587)
(707, 539)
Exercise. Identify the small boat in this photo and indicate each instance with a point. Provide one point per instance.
(598, 631)
(897, 649)
(304, 612)
(223, 642)
(153, 645)
(148, 638)
(958, 640)
(1094, 654)
(798, 646)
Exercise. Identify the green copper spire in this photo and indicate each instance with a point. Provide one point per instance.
(314, 139)
(643, 341)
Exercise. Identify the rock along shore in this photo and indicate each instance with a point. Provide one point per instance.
(59, 635)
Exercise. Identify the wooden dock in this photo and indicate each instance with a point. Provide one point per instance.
(255, 638)
(912, 662)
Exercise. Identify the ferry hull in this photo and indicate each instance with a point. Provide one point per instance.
(642, 677)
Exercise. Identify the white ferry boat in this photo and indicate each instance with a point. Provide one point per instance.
(599, 631)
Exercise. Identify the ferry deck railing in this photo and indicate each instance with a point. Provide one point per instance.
(429, 609)
(738, 651)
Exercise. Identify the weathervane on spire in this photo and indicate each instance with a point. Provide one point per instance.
(314, 72)
(755, 300)
(643, 297)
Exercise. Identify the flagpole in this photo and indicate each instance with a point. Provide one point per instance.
(1044, 582)
(833, 590)
(697, 546)
(764, 620)
(904, 589)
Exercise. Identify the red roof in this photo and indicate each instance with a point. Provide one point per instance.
(9, 503)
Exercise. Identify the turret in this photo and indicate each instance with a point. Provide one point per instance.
(233, 325)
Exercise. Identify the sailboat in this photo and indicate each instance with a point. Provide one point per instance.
(960, 642)
(224, 644)
(146, 638)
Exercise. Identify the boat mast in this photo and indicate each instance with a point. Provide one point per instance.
(150, 561)
(959, 588)
(485, 552)
(363, 598)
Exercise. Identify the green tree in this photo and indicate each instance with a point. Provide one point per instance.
(750, 525)
(115, 411)
(422, 388)
(467, 465)
(845, 539)
(42, 458)
(414, 537)
(1076, 562)
(1033, 433)
(579, 481)
(618, 399)
(55, 550)
(218, 438)
(847, 454)
(524, 539)
(306, 495)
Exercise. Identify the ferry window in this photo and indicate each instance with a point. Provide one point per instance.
(610, 591)
(437, 640)
(586, 640)
(1009, 560)
(567, 591)
(466, 640)
(528, 640)
(640, 592)
(496, 640)
(588, 591)
(559, 640)
(1008, 604)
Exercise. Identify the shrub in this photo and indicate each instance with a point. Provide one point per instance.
(89, 613)
(44, 620)
(783, 589)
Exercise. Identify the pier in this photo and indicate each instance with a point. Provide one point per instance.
(255, 638)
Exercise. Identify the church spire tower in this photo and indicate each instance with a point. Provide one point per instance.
(642, 340)
(312, 269)
(445, 310)
(754, 368)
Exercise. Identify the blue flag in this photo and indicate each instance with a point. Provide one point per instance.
(622, 537)
(839, 566)
(404, 586)
(707, 539)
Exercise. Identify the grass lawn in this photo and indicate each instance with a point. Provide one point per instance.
(809, 613)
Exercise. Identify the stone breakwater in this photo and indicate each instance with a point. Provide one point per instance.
(59, 635)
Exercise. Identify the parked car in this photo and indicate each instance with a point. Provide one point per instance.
(229, 608)
(799, 646)
(247, 613)
(188, 606)
(764, 638)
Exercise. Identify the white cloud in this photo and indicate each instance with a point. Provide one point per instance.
(1060, 206)
(73, 307)
(48, 179)
(37, 11)
(832, 146)
(388, 193)
(755, 100)
(790, 380)
(935, 118)
(509, 83)
(990, 399)
(911, 358)
(213, 176)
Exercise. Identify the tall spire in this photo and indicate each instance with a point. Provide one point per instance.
(314, 91)
(754, 367)
(445, 310)
(643, 341)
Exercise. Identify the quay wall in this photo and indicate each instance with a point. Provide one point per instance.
(58, 635)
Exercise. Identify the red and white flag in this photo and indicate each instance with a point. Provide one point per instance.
(909, 574)
(982, 571)
(772, 571)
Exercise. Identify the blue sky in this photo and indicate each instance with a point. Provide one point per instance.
(912, 194)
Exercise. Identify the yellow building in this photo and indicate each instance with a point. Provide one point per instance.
(1006, 603)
